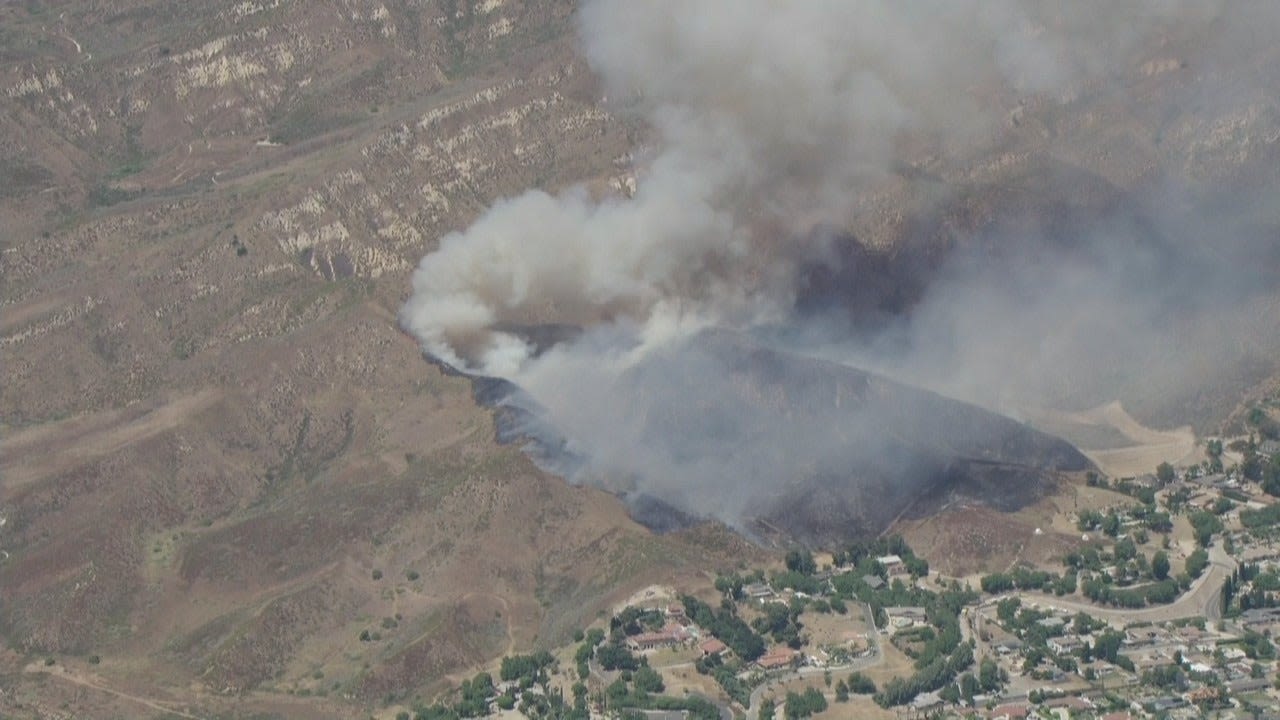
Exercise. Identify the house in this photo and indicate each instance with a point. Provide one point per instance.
(1211, 480)
(670, 635)
(1011, 711)
(1205, 694)
(1249, 685)
(1052, 622)
(1071, 702)
(905, 616)
(778, 658)
(1143, 662)
(1233, 653)
(1147, 481)
(1009, 645)
(1065, 645)
(873, 581)
(712, 647)
(1269, 448)
(892, 565)
(1259, 616)
(650, 641)
(675, 613)
(757, 591)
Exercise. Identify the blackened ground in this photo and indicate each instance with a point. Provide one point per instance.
(815, 451)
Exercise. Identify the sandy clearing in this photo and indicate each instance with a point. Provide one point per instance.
(41, 451)
(1130, 462)
(651, 596)
(1150, 446)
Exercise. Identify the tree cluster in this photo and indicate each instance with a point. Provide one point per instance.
(805, 704)
(727, 626)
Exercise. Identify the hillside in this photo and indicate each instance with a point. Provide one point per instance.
(791, 448)
(214, 436)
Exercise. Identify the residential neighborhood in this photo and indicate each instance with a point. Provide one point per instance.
(1167, 607)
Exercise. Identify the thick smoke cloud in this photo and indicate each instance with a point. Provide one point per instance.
(771, 119)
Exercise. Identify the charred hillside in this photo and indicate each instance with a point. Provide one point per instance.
(771, 441)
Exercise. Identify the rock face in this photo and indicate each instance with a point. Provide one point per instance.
(771, 441)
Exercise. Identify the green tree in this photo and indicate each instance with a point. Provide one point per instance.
(842, 692)
(801, 561)
(806, 704)
(1125, 549)
(860, 684)
(1165, 473)
(1111, 525)
(990, 677)
(648, 680)
(1007, 609)
(1160, 565)
(1197, 561)
(951, 693)
(767, 709)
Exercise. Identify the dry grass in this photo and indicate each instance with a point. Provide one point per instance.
(1120, 445)
(859, 706)
(835, 630)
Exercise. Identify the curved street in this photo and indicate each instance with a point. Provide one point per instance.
(1203, 599)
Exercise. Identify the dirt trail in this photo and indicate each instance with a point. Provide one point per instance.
(44, 450)
(61, 672)
(15, 315)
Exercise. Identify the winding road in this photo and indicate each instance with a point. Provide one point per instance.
(1202, 599)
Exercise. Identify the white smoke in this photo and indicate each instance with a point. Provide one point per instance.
(771, 117)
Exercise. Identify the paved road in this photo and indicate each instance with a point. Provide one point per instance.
(875, 657)
(1203, 599)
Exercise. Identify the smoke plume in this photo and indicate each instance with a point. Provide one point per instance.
(774, 124)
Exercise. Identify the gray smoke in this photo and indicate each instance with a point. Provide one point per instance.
(774, 119)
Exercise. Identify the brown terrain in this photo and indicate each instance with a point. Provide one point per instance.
(220, 460)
